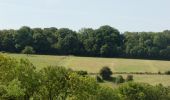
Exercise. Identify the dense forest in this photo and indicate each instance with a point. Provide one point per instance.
(105, 41)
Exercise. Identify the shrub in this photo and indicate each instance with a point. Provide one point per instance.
(133, 91)
(99, 79)
(106, 93)
(142, 91)
(105, 73)
(28, 50)
(167, 72)
(83, 73)
(159, 72)
(119, 79)
(129, 78)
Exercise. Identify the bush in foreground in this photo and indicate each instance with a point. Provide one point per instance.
(142, 91)
(19, 80)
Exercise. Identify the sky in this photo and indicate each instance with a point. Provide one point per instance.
(125, 15)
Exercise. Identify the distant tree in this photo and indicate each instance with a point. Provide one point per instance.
(7, 40)
(23, 37)
(108, 39)
(105, 50)
(160, 40)
(67, 41)
(105, 73)
(167, 72)
(28, 50)
(88, 40)
(44, 39)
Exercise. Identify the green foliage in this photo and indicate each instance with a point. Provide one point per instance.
(28, 50)
(105, 41)
(18, 76)
(105, 50)
(44, 40)
(68, 42)
(83, 73)
(105, 93)
(99, 79)
(82, 87)
(167, 72)
(23, 37)
(119, 79)
(20, 80)
(7, 66)
(28, 76)
(105, 73)
(142, 91)
(14, 90)
(53, 82)
(129, 78)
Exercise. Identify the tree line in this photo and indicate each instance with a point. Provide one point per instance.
(19, 80)
(105, 41)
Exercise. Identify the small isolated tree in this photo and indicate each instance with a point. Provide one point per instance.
(28, 50)
(129, 78)
(106, 73)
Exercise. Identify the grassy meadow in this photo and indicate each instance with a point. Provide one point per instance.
(94, 64)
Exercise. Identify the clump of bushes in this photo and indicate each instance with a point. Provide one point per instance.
(129, 78)
(167, 72)
(119, 79)
(81, 72)
(142, 91)
(105, 73)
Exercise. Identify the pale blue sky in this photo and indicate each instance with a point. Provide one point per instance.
(125, 15)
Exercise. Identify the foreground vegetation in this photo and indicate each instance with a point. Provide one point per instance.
(19, 80)
(93, 65)
(105, 41)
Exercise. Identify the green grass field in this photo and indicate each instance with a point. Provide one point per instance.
(94, 64)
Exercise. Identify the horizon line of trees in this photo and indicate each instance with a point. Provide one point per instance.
(105, 41)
